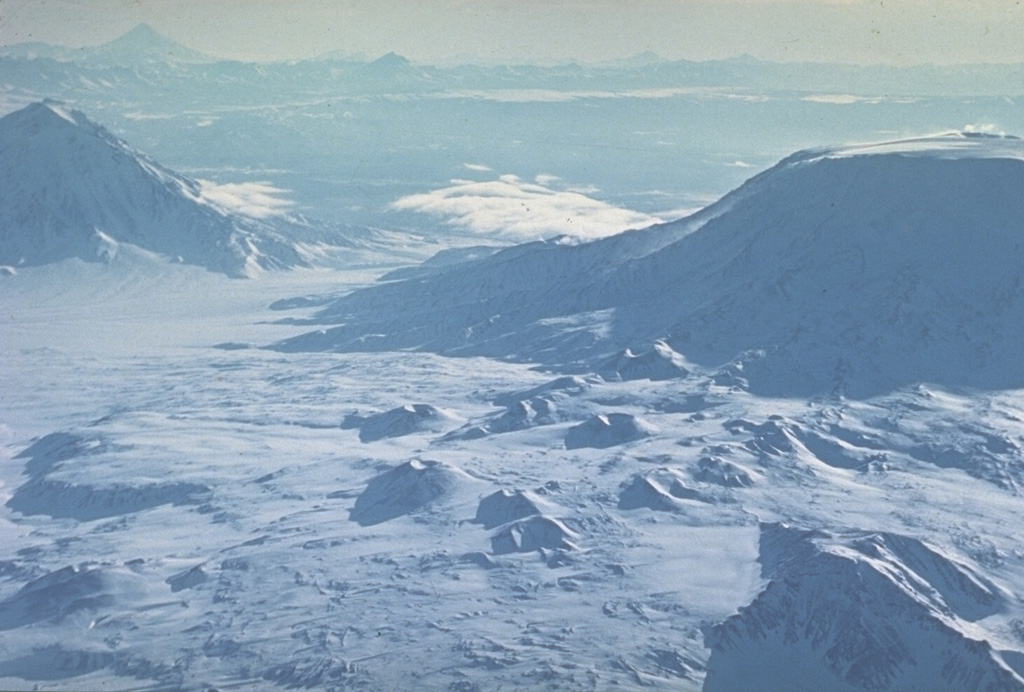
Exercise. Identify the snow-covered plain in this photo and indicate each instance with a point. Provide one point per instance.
(184, 512)
(544, 467)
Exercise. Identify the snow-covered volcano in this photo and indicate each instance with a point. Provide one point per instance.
(72, 189)
(851, 269)
(144, 44)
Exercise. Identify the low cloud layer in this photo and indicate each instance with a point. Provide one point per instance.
(258, 200)
(523, 210)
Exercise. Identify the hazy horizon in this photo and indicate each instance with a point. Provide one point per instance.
(587, 31)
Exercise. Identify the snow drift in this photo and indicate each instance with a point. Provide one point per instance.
(853, 270)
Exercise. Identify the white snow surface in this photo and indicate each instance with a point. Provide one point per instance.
(182, 510)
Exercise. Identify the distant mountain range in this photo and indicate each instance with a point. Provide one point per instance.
(144, 45)
(141, 44)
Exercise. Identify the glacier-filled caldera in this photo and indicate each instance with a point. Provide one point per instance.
(850, 270)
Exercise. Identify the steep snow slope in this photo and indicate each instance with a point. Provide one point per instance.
(853, 269)
(858, 611)
(72, 189)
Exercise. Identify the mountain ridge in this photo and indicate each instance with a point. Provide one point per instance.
(848, 270)
(75, 189)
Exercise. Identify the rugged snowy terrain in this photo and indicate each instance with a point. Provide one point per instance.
(851, 270)
(777, 445)
(184, 509)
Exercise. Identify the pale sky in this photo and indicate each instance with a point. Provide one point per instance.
(859, 31)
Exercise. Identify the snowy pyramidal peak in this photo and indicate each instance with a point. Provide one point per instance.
(387, 71)
(144, 44)
(141, 45)
(73, 189)
(852, 270)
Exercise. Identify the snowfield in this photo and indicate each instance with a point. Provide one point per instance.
(776, 445)
(185, 508)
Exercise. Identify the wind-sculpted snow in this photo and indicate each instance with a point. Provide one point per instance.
(404, 489)
(50, 451)
(662, 489)
(608, 430)
(57, 498)
(659, 363)
(858, 611)
(189, 578)
(66, 591)
(532, 534)
(504, 506)
(403, 420)
(853, 271)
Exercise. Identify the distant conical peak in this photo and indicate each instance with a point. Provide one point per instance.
(145, 41)
(391, 59)
(144, 35)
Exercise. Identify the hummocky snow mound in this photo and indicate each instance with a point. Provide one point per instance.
(712, 469)
(57, 498)
(659, 489)
(404, 489)
(504, 506)
(72, 189)
(533, 533)
(521, 415)
(658, 363)
(50, 451)
(858, 611)
(856, 270)
(66, 591)
(403, 420)
(555, 390)
(607, 430)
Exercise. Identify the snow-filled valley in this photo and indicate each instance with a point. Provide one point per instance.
(183, 515)
(776, 444)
